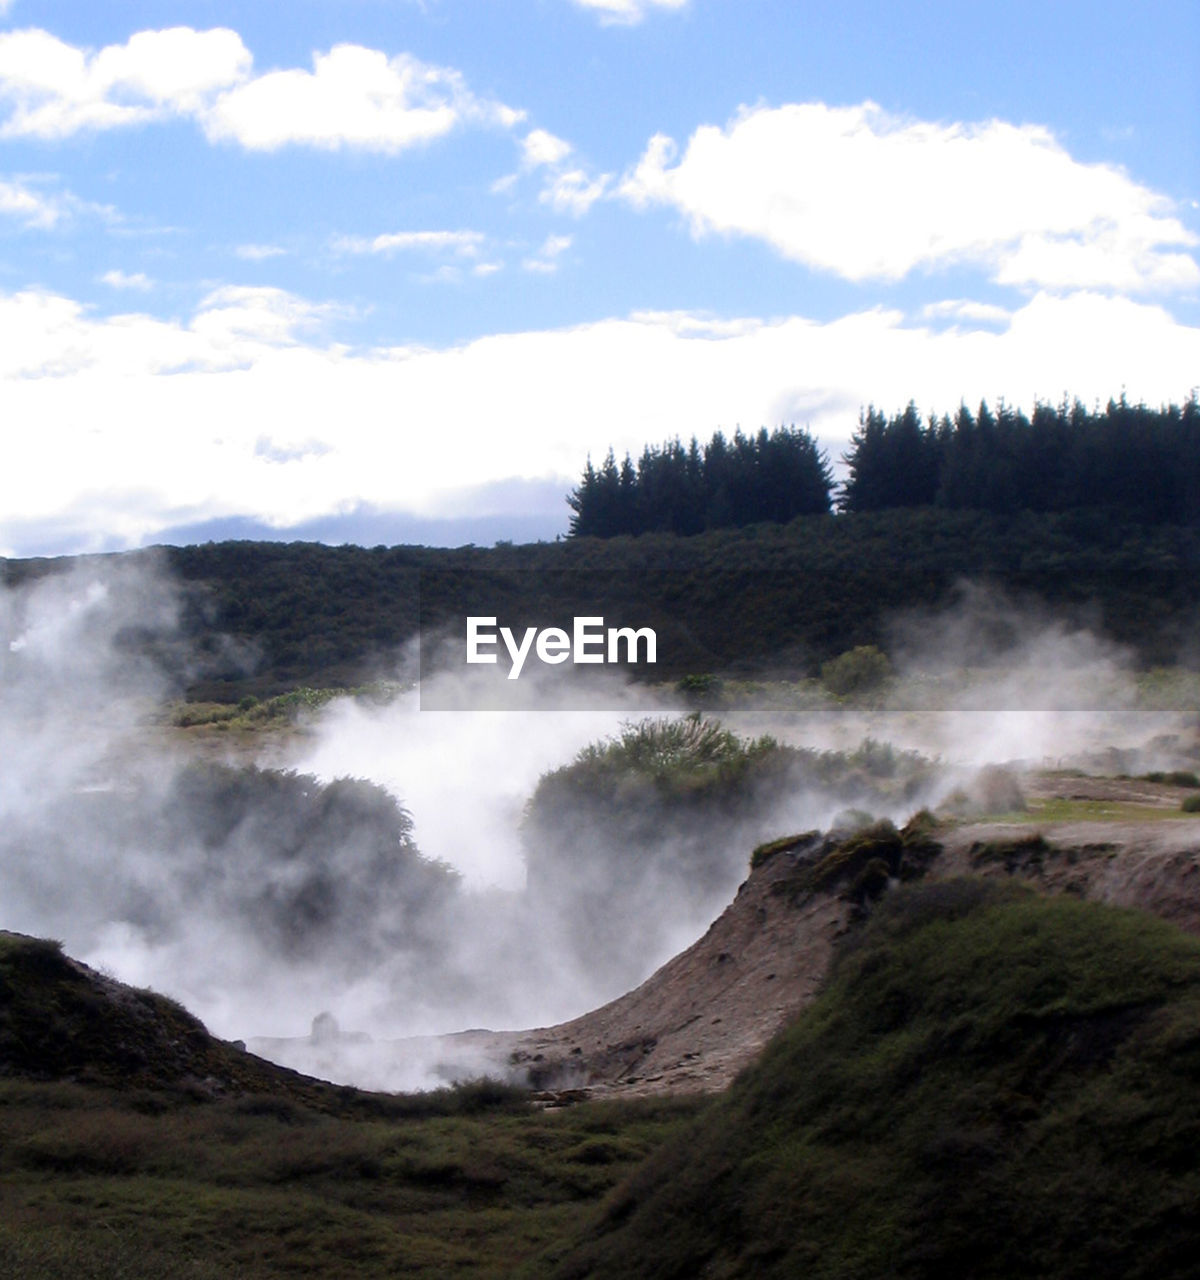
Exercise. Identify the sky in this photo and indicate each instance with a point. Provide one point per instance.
(383, 271)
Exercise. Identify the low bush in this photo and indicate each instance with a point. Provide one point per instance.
(992, 1084)
(859, 671)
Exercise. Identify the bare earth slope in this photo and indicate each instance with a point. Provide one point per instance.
(708, 1012)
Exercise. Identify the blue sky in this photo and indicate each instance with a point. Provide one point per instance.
(389, 270)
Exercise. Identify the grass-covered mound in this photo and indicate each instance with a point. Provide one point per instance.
(61, 1021)
(134, 1146)
(992, 1085)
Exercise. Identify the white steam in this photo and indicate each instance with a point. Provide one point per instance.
(101, 846)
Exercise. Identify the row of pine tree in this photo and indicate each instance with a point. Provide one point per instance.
(1143, 463)
(773, 476)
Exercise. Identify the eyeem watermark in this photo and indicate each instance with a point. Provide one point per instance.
(588, 641)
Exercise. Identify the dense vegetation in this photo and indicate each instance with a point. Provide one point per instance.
(767, 598)
(1141, 462)
(772, 476)
(308, 861)
(642, 838)
(296, 869)
(263, 618)
(993, 1084)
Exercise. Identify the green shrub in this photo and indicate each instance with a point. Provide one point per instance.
(765, 852)
(704, 690)
(1173, 777)
(1191, 804)
(1016, 854)
(861, 670)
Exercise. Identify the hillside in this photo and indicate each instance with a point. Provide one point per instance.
(954, 1076)
(765, 598)
(62, 1021)
(135, 1146)
(993, 1084)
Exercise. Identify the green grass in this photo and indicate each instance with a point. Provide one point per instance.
(1057, 810)
(992, 1085)
(104, 1184)
(251, 714)
(135, 1145)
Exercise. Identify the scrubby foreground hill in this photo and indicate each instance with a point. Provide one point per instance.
(973, 1078)
(993, 1085)
(61, 1020)
(134, 1146)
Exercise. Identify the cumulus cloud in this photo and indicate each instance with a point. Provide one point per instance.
(54, 89)
(148, 423)
(574, 190)
(568, 186)
(627, 12)
(871, 196)
(540, 147)
(353, 97)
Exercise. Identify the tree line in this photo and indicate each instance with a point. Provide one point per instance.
(263, 618)
(1142, 462)
(773, 476)
(1129, 458)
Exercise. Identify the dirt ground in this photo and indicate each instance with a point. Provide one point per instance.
(707, 1013)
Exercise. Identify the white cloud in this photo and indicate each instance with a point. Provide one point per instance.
(466, 244)
(870, 196)
(259, 252)
(428, 423)
(55, 89)
(574, 191)
(118, 279)
(627, 12)
(546, 259)
(353, 96)
(966, 309)
(542, 148)
(33, 208)
(567, 186)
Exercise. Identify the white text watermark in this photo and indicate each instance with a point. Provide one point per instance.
(588, 641)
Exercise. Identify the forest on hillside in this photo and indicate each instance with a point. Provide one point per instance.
(265, 617)
(1143, 463)
(738, 557)
(772, 476)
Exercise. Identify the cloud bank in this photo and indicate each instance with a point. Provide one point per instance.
(161, 423)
